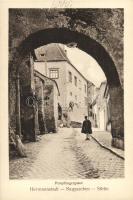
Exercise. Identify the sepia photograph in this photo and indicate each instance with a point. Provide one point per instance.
(66, 93)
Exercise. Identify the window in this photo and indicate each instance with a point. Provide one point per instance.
(71, 93)
(70, 76)
(75, 80)
(85, 88)
(86, 101)
(54, 73)
(42, 54)
(80, 85)
(76, 97)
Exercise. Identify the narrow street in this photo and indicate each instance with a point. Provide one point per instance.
(66, 155)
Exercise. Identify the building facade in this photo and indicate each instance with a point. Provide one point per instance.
(100, 107)
(51, 60)
(104, 107)
(47, 93)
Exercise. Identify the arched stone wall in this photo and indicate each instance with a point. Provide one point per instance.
(34, 35)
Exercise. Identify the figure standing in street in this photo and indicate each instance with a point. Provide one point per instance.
(86, 128)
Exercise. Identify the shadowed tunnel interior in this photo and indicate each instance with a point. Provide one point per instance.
(84, 43)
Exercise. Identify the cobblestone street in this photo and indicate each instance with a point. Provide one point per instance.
(66, 155)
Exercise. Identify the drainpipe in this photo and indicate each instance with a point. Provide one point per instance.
(45, 61)
(18, 115)
(35, 106)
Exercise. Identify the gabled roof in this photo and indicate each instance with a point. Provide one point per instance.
(50, 52)
(54, 52)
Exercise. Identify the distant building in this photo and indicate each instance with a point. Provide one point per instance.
(103, 106)
(100, 107)
(52, 61)
(92, 106)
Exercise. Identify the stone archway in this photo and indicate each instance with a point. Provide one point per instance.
(85, 43)
(97, 51)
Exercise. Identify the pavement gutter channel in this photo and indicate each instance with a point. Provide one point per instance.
(108, 148)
